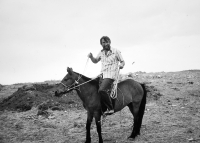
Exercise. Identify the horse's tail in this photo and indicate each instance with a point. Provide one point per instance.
(143, 103)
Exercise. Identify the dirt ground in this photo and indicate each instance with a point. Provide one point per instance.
(29, 113)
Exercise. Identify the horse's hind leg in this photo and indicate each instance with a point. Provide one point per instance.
(97, 116)
(136, 127)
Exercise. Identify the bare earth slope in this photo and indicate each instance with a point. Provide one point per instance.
(29, 113)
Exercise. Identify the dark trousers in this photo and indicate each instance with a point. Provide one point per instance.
(104, 91)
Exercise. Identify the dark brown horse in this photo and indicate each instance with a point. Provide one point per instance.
(130, 93)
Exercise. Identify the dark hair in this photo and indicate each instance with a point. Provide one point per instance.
(106, 38)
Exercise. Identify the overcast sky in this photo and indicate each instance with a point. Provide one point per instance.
(39, 39)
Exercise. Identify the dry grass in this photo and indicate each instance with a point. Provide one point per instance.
(173, 117)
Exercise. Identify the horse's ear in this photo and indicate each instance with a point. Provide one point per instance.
(69, 70)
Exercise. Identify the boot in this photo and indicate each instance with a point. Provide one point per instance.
(108, 103)
(109, 112)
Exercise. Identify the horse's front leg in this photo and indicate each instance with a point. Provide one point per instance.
(97, 116)
(88, 124)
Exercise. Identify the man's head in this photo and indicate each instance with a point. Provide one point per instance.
(105, 42)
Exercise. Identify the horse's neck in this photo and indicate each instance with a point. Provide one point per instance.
(84, 89)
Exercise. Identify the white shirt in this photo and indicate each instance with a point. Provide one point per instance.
(110, 62)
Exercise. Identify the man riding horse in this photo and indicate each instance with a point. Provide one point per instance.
(110, 59)
(132, 93)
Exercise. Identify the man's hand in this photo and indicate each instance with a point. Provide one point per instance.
(94, 60)
(121, 66)
(90, 55)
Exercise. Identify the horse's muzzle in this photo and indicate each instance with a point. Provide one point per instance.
(58, 93)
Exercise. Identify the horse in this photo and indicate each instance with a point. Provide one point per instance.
(129, 93)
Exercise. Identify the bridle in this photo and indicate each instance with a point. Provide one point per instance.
(76, 85)
(76, 82)
(73, 86)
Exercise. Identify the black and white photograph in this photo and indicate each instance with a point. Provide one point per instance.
(110, 71)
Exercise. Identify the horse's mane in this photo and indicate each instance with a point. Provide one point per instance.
(94, 81)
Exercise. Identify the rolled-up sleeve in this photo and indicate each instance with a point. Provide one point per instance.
(119, 56)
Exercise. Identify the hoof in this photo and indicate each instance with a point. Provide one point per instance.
(132, 137)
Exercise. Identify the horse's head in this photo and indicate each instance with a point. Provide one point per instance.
(67, 83)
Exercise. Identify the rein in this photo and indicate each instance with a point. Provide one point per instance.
(76, 82)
